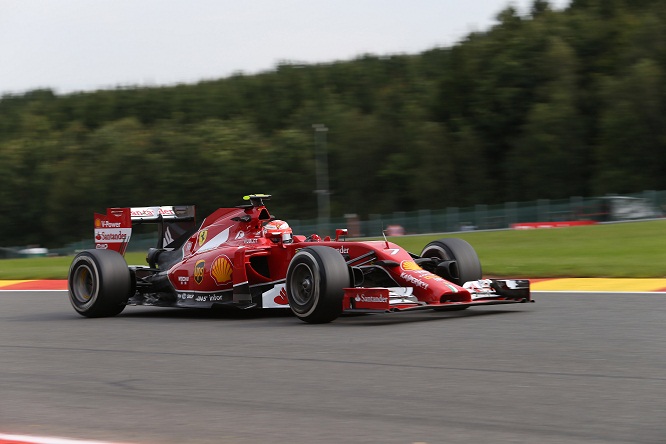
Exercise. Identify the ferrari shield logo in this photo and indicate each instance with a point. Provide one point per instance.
(202, 237)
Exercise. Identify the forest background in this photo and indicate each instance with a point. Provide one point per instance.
(545, 105)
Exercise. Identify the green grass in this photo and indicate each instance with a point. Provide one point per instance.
(49, 267)
(636, 249)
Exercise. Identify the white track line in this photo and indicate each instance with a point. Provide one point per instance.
(45, 440)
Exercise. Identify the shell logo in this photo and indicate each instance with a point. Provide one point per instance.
(98, 223)
(409, 266)
(221, 270)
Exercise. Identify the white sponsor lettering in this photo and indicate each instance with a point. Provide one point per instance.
(102, 246)
(343, 250)
(107, 224)
(113, 236)
(150, 212)
(142, 212)
(364, 298)
(415, 281)
(183, 279)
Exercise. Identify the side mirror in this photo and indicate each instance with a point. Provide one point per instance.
(340, 232)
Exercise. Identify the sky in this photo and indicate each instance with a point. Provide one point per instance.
(83, 45)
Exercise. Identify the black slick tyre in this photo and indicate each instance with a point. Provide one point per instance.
(315, 281)
(467, 265)
(99, 283)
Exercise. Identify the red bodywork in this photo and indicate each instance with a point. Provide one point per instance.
(230, 259)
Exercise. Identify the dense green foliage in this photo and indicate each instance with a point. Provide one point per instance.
(546, 105)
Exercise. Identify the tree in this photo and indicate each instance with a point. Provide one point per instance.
(551, 148)
(633, 135)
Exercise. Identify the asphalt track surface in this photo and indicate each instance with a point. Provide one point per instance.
(554, 284)
(571, 368)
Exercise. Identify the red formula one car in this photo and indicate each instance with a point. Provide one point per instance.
(245, 258)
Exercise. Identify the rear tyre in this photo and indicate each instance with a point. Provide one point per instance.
(99, 283)
(467, 265)
(315, 281)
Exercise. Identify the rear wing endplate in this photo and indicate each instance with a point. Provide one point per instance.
(114, 229)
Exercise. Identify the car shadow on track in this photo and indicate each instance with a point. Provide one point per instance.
(288, 319)
(232, 314)
(427, 316)
(203, 313)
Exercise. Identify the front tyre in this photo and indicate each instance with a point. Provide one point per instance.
(315, 284)
(99, 283)
(466, 267)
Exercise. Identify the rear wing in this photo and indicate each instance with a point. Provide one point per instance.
(114, 229)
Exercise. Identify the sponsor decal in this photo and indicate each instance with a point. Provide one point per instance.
(221, 270)
(343, 250)
(276, 297)
(240, 235)
(199, 268)
(183, 280)
(216, 241)
(118, 235)
(107, 224)
(152, 211)
(200, 297)
(202, 237)
(409, 266)
(363, 298)
(416, 275)
(98, 223)
(142, 212)
(370, 298)
(251, 241)
(281, 298)
(102, 246)
(414, 280)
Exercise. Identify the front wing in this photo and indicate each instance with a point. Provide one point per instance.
(399, 299)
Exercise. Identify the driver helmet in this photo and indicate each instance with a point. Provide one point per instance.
(278, 230)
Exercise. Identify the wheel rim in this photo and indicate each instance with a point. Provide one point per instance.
(84, 286)
(436, 251)
(302, 284)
